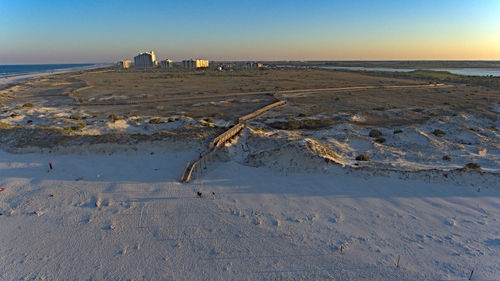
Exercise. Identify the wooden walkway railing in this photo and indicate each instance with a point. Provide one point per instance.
(221, 139)
(195, 166)
(261, 111)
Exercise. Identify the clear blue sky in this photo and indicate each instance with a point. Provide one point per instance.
(56, 31)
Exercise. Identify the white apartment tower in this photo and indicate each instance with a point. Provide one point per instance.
(145, 60)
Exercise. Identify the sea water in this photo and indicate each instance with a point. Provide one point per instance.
(460, 71)
(15, 70)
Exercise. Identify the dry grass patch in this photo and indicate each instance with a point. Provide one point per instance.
(156, 121)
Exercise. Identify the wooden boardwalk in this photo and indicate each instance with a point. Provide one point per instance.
(194, 167)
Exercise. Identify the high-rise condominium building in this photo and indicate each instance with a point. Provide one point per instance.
(145, 60)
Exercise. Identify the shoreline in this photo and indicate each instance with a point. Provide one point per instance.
(23, 77)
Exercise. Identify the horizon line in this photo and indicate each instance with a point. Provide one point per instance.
(286, 60)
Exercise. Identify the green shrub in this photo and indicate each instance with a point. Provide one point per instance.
(29, 104)
(113, 117)
(438, 133)
(75, 117)
(156, 121)
(380, 140)
(472, 166)
(79, 126)
(139, 119)
(363, 157)
(375, 133)
(171, 119)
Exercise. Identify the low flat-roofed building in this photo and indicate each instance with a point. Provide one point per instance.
(192, 63)
(166, 63)
(145, 60)
(125, 64)
(254, 64)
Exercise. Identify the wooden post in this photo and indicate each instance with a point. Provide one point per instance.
(188, 179)
(183, 176)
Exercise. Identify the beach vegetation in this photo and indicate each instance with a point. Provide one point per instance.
(438, 133)
(79, 126)
(472, 166)
(374, 133)
(442, 77)
(113, 117)
(363, 157)
(308, 124)
(156, 120)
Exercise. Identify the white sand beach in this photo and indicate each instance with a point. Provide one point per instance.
(124, 215)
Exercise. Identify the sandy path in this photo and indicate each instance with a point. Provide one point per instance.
(285, 92)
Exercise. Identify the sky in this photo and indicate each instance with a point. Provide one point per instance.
(60, 31)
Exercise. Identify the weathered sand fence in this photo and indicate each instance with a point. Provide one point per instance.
(196, 166)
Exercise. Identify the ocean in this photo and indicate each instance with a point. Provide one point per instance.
(15, 70)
